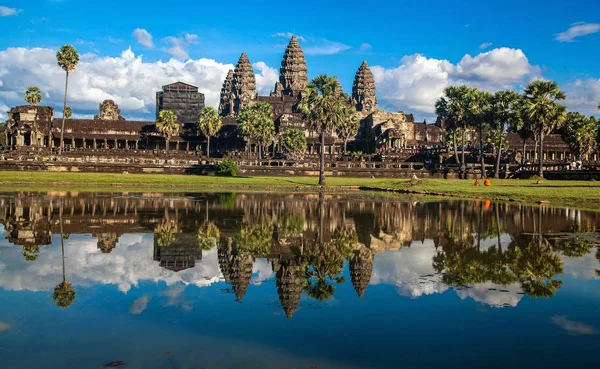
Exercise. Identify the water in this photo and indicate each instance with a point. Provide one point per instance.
(294, 281)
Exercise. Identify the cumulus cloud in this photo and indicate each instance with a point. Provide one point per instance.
(485, 45)
(364, 47)
(288, 35)
(325, 47)
(266, 78)
(578, 29)
(261, 271)
(574, 327)
(419, 81)
(178, 45)
(7, 12)
(139, 305)
(143, 37)
(583, 95)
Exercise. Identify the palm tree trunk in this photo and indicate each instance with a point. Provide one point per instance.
(541, 158)
(498, 227)
(481, 156)
(167, 144)
(345, 145)
(524, 149)
(62, 246)
(62, 128)
(322, 169)
(462, 154)
(497, 171)
(455, 143)
(208, 147)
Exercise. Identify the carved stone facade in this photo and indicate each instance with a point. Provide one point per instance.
(109, 111)
(226, 102)
(182, 99)
(364, 97)
(293, 74)
(243, 84)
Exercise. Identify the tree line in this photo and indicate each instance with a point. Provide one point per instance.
(533, 114)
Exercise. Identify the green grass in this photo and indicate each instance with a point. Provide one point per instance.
(585, 194)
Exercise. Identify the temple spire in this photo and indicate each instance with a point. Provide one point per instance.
(363, 90)
(243, 83)
(225, 103)
(293, 74)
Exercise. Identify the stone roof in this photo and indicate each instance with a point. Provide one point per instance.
(179, 86)
(293, 74)
(363, 89)
(551, 141)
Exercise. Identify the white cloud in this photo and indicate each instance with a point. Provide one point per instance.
(364, 47)
(574, 327)
(180, 44)
(7, 12)
(143, 37)
(288, 35)
(139, 305)
(485, 45)
(3, 110)
(577, 30)
(265, 80)
(262, 271)
(114, 40)
(325, 47)
(502, 65)
(583, 95)
(127, 79)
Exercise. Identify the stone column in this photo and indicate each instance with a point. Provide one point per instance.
(105, 144)
(136, 144)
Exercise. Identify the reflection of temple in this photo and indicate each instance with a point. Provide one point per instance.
(236, 267)
(181, 254)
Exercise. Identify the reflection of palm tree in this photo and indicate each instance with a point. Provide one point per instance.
(574, 248)
(64, 293)
(165, 232)
(30, 252)
(208, 236)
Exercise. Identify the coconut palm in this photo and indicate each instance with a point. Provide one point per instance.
(64, 293)
(33, 95)
(580, 132)
(209, 124)
(68, 59)
(540, 106)
(68, 112)
(505, 113)
(348, 126)
(167, 125)
(322, 107)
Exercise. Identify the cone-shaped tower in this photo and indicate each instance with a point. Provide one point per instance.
(361, 268)
(293, 74)
(241, 274)
(224, 251)
(289, 288)
(226, 102)
(243, 84)
(363, 90)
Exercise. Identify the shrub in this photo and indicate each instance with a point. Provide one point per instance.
(228, 168)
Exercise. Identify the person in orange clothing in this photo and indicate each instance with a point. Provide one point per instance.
(476, 183)
(487, 182)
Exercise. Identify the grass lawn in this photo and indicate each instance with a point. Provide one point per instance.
(585, 194)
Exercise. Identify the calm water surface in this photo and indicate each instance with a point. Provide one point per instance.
(294, 281)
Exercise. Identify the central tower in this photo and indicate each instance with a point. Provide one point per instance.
(293, 74)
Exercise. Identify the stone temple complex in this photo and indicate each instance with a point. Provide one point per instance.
(394, 135)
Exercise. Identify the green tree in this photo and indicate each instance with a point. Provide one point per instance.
(322, 107)
(254, 124)
(209, 124)
(33, 95)
(580, 132)
(30, 252)
(208, 236)
(68, 112)
(68, 59)
(505, 113)
(479, 116)
(294, 143)
(254, 239)
(348, 126)
(540, 105)
(442, 109)
(167, 125)
(264, 131)
(165, 232)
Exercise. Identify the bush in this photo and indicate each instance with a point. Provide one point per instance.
(228, 168)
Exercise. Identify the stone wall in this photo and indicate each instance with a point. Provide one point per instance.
(186, 105)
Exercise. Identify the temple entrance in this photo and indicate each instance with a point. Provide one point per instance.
(27, 138)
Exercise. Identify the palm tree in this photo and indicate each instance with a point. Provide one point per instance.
(348, 126)
(68, 59)
(293, 142)
(442, 109)
(254, 123)
(264, 131)
(457, 101)
(505, 113)
(167, 125)
(68, 112)
(208, 236)
(540, 105)
(209, 124)
(479, 114)
(64, 293)
(33, 95)
(322, 106)
(580, 132)
(165, 232)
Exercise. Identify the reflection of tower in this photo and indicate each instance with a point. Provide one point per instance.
(241, 273)
(181, 254)
(361, 267)
(107, 242)
(224, 251)
(289, 287)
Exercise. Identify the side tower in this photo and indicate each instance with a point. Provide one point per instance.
(182, 99)
(226, 103)
(293, 74)
(363, 90)
(243, 84)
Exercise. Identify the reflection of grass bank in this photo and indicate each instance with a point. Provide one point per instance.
(585, 194)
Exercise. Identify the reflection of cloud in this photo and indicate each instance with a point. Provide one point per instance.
(139, 305)
(264, 271)
(573, 327)
(493, 294)
(174, 298)
(583, 267)
(4, 326)
(128, 264)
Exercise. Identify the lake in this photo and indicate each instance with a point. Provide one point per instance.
(267, 280)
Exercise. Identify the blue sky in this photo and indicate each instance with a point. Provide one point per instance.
(416, 48)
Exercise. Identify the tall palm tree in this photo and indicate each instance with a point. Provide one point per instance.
(348, 126)
(458, 99)
(68, 59)
(540, 105)
(209, 124)
(322, 106)
(479, 113)
(580, 132)
(505, 113)
(33, 95)
(167, 125)
(253, 121)
(442, 109)
(64, 293)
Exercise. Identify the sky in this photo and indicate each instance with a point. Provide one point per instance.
(129, 49)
